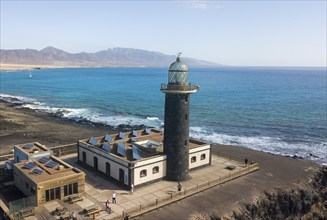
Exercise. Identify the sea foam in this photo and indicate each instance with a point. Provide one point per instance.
(309, 150)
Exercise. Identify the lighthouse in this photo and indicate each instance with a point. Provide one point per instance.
(176, 129)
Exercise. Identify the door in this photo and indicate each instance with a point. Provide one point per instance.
(121, 175)
(108, 169)
(95, 163)
(84, 157)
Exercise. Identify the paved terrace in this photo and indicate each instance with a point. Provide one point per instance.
(145, 198)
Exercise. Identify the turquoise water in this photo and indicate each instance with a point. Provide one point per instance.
(277, 110)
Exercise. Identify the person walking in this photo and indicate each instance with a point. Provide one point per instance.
(114, 198)
(179, 187)
(246, 161)
(132, 188)
(74, 216)
(107, 205)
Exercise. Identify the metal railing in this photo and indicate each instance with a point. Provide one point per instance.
(186, 87)
(18, 205)
(175, 196)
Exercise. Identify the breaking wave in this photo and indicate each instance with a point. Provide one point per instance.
(307, 150)
(83, 114)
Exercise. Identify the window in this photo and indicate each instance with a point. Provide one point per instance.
(33, 190)
(193, 159)
(75, 188)
(186, 117)
(155, 170)
(185, 142)
(57, 193)
(203, 156)
(70, 189)
(52, 194)
(47, 195)
(186, 98)
(143, 173)
(26, 184)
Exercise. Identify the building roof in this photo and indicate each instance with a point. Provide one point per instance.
(46, 169)
(34, 147)
(148, 144)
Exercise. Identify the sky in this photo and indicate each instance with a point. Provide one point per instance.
(237, 33)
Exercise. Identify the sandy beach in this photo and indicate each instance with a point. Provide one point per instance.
(20, 125)
(12, 67)
(15, 67)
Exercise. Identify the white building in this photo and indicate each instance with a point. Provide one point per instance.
(135, 157)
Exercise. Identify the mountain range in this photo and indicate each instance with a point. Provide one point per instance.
(110, 57)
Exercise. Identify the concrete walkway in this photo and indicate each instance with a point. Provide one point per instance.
(145, 198)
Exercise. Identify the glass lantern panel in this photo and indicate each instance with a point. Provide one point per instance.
(171, 77)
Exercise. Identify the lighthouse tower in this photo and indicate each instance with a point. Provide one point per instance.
(176, 130)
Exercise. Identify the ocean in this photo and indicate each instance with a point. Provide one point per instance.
(277, 110)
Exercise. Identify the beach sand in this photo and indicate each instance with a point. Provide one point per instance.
(22, 125)
(19, 126)
(14, 67)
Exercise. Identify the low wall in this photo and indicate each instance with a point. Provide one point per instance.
(57, 151)
(176, 196)
(62, 150)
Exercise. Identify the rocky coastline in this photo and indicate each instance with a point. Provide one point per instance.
(308, 201)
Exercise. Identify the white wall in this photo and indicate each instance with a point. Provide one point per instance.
(103, 158)
(197, 152)
(148, 165)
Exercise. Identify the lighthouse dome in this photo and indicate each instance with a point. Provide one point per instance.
(178, 65)
(178, 72)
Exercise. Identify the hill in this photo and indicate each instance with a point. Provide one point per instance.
(128, 57)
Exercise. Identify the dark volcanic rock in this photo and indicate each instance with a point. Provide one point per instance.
(307, 201)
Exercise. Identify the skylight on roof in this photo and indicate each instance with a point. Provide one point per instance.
(108, 138)
(106, 147)
(52, 164)
(121, 149)
(122, 135)
(135, 133)
(93, 141)
(28, 146)
(44, 160)
(29, 165)
(136, 153)
(148, 131)
(37, 171)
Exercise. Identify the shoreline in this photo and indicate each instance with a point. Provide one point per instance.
(16, 124)
(23, 125)
(22, 67)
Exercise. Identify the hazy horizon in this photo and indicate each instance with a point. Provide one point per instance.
(234, 33)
